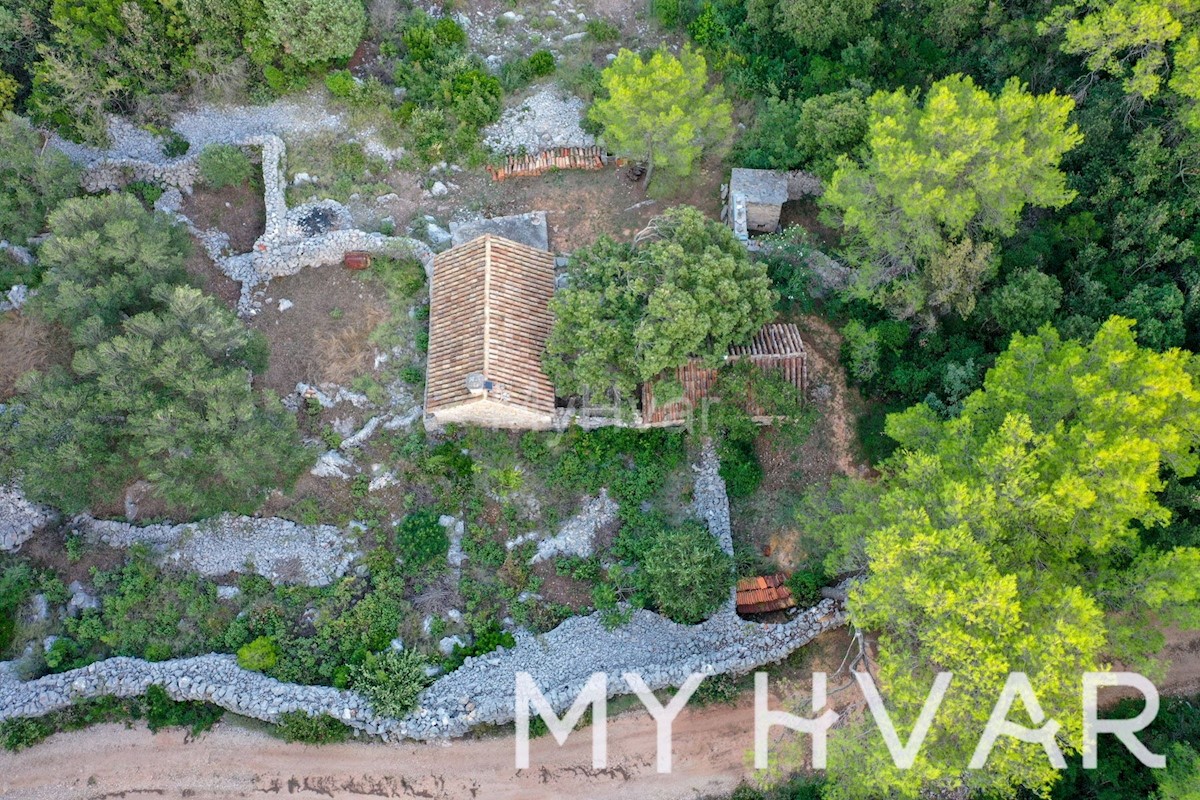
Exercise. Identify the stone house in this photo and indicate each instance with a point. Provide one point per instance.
(489, 319)
(756, 198)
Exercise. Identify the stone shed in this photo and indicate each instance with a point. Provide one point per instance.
(776, 346)
(762, 193)
(489, 319)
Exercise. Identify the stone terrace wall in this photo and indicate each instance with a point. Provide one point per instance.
(481, 691)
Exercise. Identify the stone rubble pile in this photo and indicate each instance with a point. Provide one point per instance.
(575, 537)
(19, 518)
(278, 549)
(544, 120)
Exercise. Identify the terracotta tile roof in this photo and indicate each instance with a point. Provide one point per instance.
(489, 314)
(776, 346)
(763, 594)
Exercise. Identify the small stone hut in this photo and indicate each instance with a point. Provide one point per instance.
(489, 319)
(762, 192)
(776, 346)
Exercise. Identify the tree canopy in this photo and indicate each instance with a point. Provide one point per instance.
(941, 178)
(661, 110)
(33, 180)
(631, 311)
(105, 257)
(1011, 538)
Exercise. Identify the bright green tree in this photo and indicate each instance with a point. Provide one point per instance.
(33, 180)
(1011, 538)
(941, 178)
(1144, 42)
(630, 312)
(105, 257)
(315, 32)
(661, 111)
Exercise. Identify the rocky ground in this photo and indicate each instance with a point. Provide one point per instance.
(547, 118)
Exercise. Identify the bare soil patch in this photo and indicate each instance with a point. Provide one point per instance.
(582, 205)
(210, 278)
(324, 335)
(28, 343)
(238, 211)
(806, 214)
(47, 550)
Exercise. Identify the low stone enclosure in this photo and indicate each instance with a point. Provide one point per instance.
(290, 240)
(482, 690)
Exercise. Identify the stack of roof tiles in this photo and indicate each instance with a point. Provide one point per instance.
(763, 594)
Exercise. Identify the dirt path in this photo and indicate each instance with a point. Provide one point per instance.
(111, 761)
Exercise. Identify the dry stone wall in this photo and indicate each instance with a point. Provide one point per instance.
(481, 691)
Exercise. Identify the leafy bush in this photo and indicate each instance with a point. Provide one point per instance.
(685, 573)
(260, 655)
(223, 165)
(19, 733)
(33, 180)
(147, 192)
(542, 63)
(602, 30)
(402, 277)
(163, 712)
(421, 540)
(476, 97)
(391, 681)
(717, 689)
(16, 585)
(8, 92)
(174, 145)
(341, 83)
(806, 584)
(487, 638)
(298, 726)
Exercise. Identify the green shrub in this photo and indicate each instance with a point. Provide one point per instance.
(33, 180)
(223, 165)
(402, 277)
(8, 92)
(260, 655)
(146, 191)
(297, 726)
(805, 585)
(16, 585)
(18, 733)
(717, 689)
(421, 540)
(685, 573)
(314, 32)
(391, 681)
(487, 638)
(542, 63)
(174, 145)
(476, 97)
(341, 84)
(163, 712)
(602, 30)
